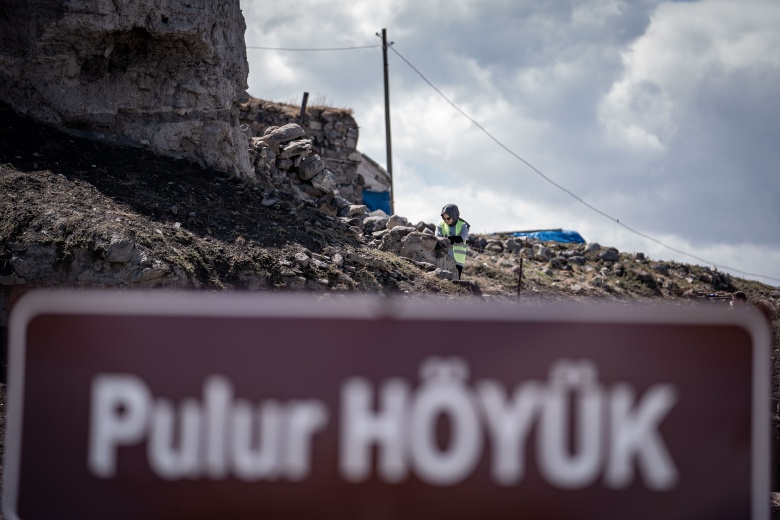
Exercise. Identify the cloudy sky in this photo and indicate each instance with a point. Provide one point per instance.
(659, 117)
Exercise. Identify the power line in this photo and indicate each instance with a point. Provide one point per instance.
(570, 193)
(312, 49)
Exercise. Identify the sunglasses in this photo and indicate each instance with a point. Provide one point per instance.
(446, 217)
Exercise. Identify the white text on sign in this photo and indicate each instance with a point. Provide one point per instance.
(616, 433)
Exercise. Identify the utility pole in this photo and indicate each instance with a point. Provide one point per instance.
(387, 121)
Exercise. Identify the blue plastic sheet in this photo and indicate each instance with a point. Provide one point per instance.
(377, 200)
(552, 235)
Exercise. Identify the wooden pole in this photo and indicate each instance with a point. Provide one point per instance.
(520, 279)
(303, 107)
(387, 122)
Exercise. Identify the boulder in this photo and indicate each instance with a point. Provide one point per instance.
(542, 252)
(592, 247)
(527, 252)
(420, 247)
(494, 246)
(302, 259)
(443, 274)
(299, 148)
(397, 220)
(310, 167)
(417, 246)
(609, 255)
(660, 268)
(372, 224)
(515, 244)
(397, 233)
(277, 136)
(120, 250)
(355, 211)
(324, 181)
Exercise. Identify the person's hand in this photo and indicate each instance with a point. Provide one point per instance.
(451, 239)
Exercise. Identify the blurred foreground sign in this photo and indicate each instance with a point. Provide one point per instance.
(129, 405)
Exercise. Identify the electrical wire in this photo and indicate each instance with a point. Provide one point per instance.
(567, 191)
(320, 49)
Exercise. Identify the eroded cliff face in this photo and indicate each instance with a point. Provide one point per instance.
(166, 75)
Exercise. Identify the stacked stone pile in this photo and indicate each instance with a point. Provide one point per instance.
(416, 243)
(332, 135)
(284, 157)
(394, 234)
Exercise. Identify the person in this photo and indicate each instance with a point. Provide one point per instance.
(456, 230)
(738, 299)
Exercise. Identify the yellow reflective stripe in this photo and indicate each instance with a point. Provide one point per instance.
(446, 229)
(458, 250)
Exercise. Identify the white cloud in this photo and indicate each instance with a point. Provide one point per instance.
(687, 46)
(596, 13)
(638, 114)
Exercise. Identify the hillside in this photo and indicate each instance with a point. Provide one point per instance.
(77, 213)
(65, 197)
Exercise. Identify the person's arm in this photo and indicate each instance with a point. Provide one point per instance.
(438, 231)
(464, 234)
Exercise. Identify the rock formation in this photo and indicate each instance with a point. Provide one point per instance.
(163, 74)
(332, 135)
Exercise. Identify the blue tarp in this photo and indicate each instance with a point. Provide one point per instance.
(377, 200)
(552, 235)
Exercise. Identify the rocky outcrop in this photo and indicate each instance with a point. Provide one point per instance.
(163, 74)
(284, 160)
(395, 234)
(123, 263)
(332, 136)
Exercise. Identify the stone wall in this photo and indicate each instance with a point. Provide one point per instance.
(163, 74)
(333, 134)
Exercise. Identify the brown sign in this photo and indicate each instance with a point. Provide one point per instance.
(155, 405)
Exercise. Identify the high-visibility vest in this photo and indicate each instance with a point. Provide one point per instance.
(458, 249)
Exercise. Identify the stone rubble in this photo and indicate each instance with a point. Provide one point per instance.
(326, 139)
(590, 266)
(120, 261)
